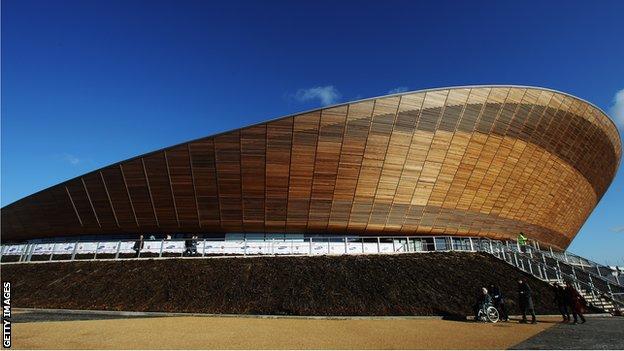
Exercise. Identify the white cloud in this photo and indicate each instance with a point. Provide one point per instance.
(71, 159)
(327, 95)
(617, 110)
(618, 229)
(397, 90)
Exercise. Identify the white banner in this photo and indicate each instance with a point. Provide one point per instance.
(208, 247)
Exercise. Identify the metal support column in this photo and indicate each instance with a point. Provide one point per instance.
(97, 246)
(22, 253)
(116, 253)
(162, 245)
(52, 252)
(471, 245)
(610, 291)
(73, 256)
(591, 286)
(378, 245)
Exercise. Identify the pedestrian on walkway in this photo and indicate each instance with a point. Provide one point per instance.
(138, 246)
(525, 301)
(576, 302)
(522, 241)
(498, 300)
(560, 301)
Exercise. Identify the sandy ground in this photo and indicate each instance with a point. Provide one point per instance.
(276, 333)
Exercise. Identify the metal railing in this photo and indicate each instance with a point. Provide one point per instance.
(570, 262)
(129, 249)
(544, 264)
(531, 263)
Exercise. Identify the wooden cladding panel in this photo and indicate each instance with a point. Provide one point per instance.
(227, 151)
(253, 162)
(160, 190)
(408, 116)
(469, 161)
(356, 132)
(278, 154)
(204, 180)
(119, 197)
(305, 136)
(99, 198)
(331, 133)
(382, 122)
(182, 187)
(81, 202)
(134, 174)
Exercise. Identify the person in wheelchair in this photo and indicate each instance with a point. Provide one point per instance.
(483, 301)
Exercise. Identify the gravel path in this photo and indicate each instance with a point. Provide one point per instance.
(261, 333)
(597, 334)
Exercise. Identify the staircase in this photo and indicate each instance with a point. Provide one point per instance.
(596, 283)
(603, 303)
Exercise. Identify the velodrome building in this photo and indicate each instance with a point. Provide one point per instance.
(483, 161)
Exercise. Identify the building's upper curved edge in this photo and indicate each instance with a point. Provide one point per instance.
(332, 106)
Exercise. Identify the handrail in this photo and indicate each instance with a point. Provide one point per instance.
(595, 265)
(556, 274)
(322, 245)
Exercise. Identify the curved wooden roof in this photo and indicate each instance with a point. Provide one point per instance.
(487, 160)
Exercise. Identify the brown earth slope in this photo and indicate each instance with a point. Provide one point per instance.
(407, 284)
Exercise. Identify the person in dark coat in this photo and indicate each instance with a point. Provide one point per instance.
(576, 302)
(483, 298)
(138, 246)
(188, 247)
(499, 301)
(560, 301)
(525, 301)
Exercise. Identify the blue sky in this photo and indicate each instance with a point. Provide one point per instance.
(89, 83)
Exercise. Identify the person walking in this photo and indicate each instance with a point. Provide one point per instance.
(522, 241)
(138, 246)
(498, 300)
(560, 301)
(188, 247)
(576, 302)
(194, 246)
(525, 301)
